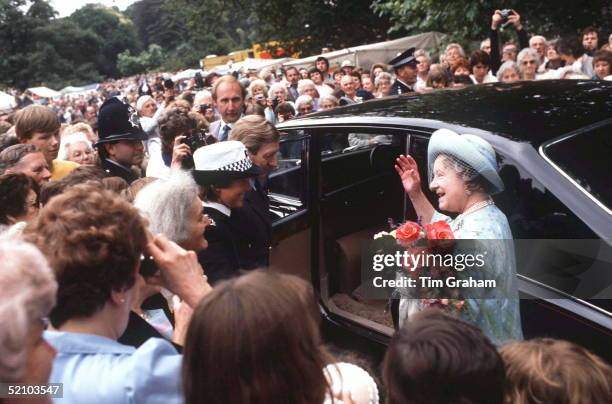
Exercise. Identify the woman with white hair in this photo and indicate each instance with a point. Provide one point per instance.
(423, 64)
(28, 288)
(328, 102)
(463, 173)
(508, 72)
(173, 208)
(454, 54)
(527, 61)
(308, 87)
(382, 82)
(146, 106)
(78, 148)
(257, 87)
(304, 105)
(277, 95)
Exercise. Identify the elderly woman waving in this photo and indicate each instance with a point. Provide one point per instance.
(463, 174)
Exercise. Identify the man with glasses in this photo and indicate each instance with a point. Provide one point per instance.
(120, 144)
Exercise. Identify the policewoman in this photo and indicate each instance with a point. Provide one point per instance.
(224, 171)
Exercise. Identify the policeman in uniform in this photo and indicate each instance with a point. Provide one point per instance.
(120, 140)
(405, 66)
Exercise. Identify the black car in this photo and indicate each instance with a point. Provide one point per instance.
(336, 188)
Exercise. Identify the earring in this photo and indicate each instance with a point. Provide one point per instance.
(122, 300)
(468, 192)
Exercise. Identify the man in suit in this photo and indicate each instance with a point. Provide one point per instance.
(223, 170)
(292, 76)
(405, 66)
(253, 219)
(120, 140)
(228, 96)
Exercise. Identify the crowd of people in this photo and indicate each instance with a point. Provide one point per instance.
(136, 234)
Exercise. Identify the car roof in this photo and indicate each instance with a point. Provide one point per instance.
(534, 111)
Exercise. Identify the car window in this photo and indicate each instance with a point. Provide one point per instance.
(553, 246)
(587, 159)
(287, 185)
(348, 157)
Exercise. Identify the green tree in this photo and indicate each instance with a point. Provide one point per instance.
(471, 20)
(149, 59)
(115, 30)
(308, 25)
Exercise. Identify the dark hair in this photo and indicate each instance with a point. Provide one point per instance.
(314, 70)
(588, 30)
(439, 359)
(172, 123)
(322, 58)
(569, 45)
(14, 191)
(98, 239)
(603, 56)
(479, 56)
(11, 156)
(291, 68)
(355, 74)
(284, 107)
(255, 339)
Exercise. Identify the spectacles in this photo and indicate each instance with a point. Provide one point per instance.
(528, 62)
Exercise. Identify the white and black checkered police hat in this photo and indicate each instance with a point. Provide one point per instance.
(221, 162)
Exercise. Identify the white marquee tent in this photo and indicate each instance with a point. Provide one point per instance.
(44, 92)
(366, 55)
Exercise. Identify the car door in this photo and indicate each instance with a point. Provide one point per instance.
(359, 194)
(290, 207)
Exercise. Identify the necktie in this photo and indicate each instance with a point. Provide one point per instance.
(224, 133)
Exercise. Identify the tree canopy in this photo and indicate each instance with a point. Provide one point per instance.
(95, 42)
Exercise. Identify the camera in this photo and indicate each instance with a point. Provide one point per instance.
(195, 140)
(148, 267)
(505, 13)
(204, 108)
(274, 103)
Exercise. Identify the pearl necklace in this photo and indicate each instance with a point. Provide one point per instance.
(477, 206)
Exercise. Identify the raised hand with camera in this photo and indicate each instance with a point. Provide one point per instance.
(180, 151)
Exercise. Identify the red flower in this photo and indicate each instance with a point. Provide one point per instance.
(439, 231)
(408, 232)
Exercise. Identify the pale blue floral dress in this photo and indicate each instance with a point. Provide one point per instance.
(497, 312)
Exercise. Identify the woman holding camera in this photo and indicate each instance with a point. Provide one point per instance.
(182, 131)
(98, 241)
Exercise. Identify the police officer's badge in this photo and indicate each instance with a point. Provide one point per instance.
(134, 120)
